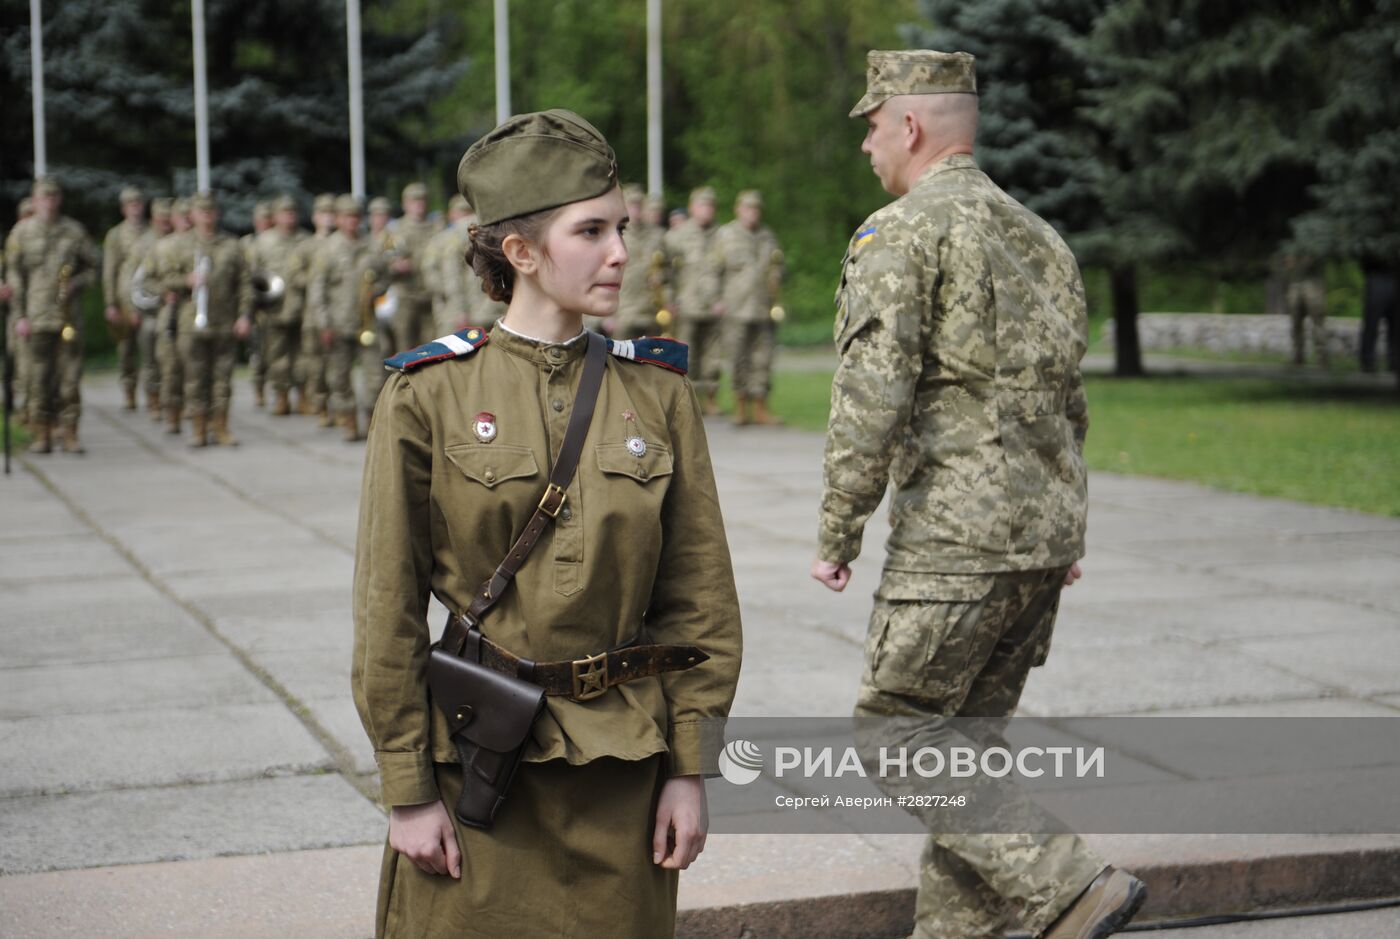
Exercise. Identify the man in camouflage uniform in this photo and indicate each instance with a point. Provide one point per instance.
(348, 275)
(50, 261)
(311, 377)
(465, 302)
(960, 326)
(257, 342)
(695, 293)
(439, 272)
(19, 351)
(273, 254)
(208, 273)
(172, 367)
(123, 320)
(413, 317)
(642, 294)
(138, 269)
(381, 238)
(1305, 298)
(749, 263)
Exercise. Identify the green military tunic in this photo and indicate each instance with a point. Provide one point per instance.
(695, 289)
(750, 269)
(118, 248)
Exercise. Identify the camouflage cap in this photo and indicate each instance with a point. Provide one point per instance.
(325, 202)
(633, 193)
(534, 162)
(415, 191)
(25, 207)
(131, 194)
(180, 207)
(656, 203)
(381, 204)
(47, 186)
(702, 194)
(262, 209)
(203, 200)
(750, 197)
(346, 204)
(160, 208)
(284, 203)
(915, 72)
(458, 204)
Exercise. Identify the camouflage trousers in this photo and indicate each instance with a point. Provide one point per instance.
(413, 323)
(311, 367)
(208, 359)
(172, 370)
(55, 374)
(1307, 300)
(146, 340)
(19, 350)
(706, 349)
(341, 357)
(283, 352)
(125, 340)
(750, 354)
(944, 646)
(257, 354)
(372, 358)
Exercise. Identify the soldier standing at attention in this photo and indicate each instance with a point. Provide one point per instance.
(123, 320)
(443, 265)
(172, 367)
(139, 277)
(641, 281)
(695, 292)
(257, 342)
(51, 260)
(413, 319)
(960, 326)
(209, 276)
(1305, 296)
(381, 237)
(466, 303)
(315, 398)
(347, 276)
(274, 253)
(750, 266)
(19, 351)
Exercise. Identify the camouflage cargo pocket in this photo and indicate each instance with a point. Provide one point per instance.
(922, 647)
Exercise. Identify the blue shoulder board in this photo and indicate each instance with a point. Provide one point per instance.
(451, 346)
(667, 353)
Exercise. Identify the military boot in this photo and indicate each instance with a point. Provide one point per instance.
(199, 430)
(741, 411)
(70, 438)
(761, 415)
(219, 428)
(259, 398)
(282, 406)
(351, 424)
(708, 406)
(326, 419)
(1102, 909)
(43, 438)
(129, 404)
(172, 420)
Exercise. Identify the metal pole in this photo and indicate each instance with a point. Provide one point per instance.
(201, 101)
(357, 100)
(654, 175)
(36, 66)
(502, 60)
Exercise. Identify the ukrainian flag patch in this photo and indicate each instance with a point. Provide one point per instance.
(865, 235)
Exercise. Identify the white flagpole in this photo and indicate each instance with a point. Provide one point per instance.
(201, 101)
(654, 175)
(36, 64)
(357, 101)
(502, 60)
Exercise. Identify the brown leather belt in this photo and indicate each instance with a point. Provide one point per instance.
(586, 678)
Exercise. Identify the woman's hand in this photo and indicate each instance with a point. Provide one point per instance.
(682, 820)
(423, 833)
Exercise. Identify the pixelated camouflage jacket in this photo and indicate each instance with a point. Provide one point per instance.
(47, 265)
(960, 324)
(750, 267)
(693, 279)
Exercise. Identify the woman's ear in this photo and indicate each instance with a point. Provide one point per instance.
(522, 255)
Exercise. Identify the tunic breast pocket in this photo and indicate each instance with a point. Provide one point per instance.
(636, 482)
(492, 464)
(620, 459)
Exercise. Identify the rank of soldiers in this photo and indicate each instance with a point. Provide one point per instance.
(180, 294)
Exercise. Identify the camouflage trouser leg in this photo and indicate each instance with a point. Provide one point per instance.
(55, 373)
(224, 356)
(963, 647)
(1308, 301)
(372, 359)
(313, 367)
(258, 348)
(146, 346)
(172, 371)
(283, 348)
(126, 359)
(706, 351)
(23, 355)
(750, 356)
(413, 321)
(197, 352)
(340, 373)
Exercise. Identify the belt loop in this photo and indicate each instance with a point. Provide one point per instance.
(525, 669)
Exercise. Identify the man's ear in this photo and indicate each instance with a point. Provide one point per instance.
(520, 253)
(913, 132)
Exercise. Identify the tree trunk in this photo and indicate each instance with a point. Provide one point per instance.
(1127, 352)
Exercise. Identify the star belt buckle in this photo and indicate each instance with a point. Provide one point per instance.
(590, 676)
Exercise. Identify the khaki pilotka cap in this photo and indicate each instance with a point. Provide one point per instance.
(325, 202)
(534, 162)
(915, 72)
(160, 208)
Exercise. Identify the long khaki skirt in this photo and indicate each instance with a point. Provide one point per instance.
(569, 856)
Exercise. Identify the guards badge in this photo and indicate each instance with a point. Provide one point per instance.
(484, 426)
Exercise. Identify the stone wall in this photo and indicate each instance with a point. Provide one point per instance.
(1270, 333)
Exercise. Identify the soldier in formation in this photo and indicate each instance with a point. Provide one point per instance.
(643, 281)
(123, 319)
(257, 342)
(749, 265)
(413, 316)
(272, 258)
(312, 362)
(695, 293)
(1305, 298)
(49, 259)
(143, 293)
(19, 351)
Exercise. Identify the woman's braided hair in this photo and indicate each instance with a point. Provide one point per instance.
(486, 257)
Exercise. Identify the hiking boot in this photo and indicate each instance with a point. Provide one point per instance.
(1102, 909)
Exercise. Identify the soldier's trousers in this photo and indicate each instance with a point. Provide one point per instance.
(750, 353)
(283, 351)
(340, 373)
(963, 647)
(312, 364)
(126, 356)
(1307, 300)
(704, 336)
(55, 373)
(257, 354)
(208, 358)
(146, 340)
(372, 358)
(413, 324)
(19, 348)
(172, 370)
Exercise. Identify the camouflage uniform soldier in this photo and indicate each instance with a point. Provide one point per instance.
(1305, 296)
(750, 266)
(51, 259)
(349, 273)
(257, 343)
(19, 351)
(413, 319)
(464, 300)
(207, 272)
(311, 379)
(138, 275)
(442, 264)
(172, 367)
(642, 280)
(695, 293)
(960, 325)
(274, 253)
(123, 320)
(381, 237)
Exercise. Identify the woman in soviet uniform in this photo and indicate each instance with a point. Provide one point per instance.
(609, 804)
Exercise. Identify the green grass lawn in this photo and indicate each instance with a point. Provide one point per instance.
(1310, 442)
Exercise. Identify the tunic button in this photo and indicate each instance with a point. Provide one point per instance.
(490, 476)
(641, 474)
(556, 354)
(568, 513)
(557, 405)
